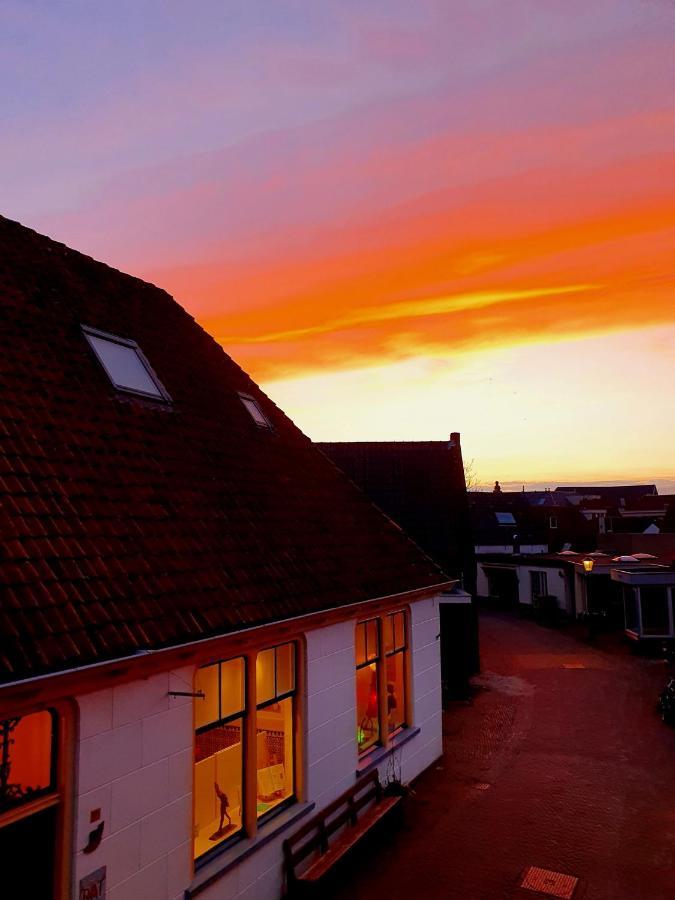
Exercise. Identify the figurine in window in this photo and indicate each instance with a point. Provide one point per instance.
(224, 814)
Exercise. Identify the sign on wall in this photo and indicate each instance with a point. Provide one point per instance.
(92, 887)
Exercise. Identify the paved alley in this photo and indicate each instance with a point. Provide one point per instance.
(560, 762)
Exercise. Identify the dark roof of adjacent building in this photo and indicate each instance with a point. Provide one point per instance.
(614, 491)
(421, 485)
(539, 518)
(129, 524)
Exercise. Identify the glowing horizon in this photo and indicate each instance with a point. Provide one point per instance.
(402, 219)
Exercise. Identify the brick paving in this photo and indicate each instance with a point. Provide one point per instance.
(559, 762)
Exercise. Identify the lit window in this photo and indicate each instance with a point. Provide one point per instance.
(125, 364)
(219, 753)
(395, 647)
(256, 412)
(380, 674)
(275, 680)
(227, 767)
(367, 687)
(29, 801)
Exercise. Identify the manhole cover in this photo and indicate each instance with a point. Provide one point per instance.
(555, 884)
(481, 786)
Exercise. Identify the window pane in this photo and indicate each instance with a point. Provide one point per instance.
(399, 630)
(231, 687)
(206, 710)
(124, 366)
(395, 692)
(264, 676)
(630, 607)
(26, 744)
(360, 643)
(275, 754)
(388, 634)
(285, 668)
(654, 609)
(218, 785)
(367, 714)
(256, 413)
(373, 644)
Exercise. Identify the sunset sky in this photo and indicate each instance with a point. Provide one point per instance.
(402, 218)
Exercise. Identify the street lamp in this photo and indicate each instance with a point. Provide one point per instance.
(588, 565)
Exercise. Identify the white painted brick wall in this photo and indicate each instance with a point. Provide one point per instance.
(135, 764)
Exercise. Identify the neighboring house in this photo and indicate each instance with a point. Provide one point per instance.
(527, 522)
(207, 630)
(577, 582)
(615, 494)
(525, 579)
(619, 508)
(421, 486)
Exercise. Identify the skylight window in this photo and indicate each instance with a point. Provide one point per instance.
(505, 518)
(125, 364)
(256, 412)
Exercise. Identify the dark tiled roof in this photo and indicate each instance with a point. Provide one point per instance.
(127, 524)
(614, 491)
(420, 484)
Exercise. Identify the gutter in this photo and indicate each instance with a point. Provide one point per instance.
(32, 688)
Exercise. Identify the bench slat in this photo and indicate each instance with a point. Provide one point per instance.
(346, 841)
(348, 811)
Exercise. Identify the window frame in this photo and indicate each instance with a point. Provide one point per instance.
(163, 395)
(278, 698)
(60, 795)
(248, 398)
(250, 820)
(541, 580)
(395, 651)
(210, 726)
(366, 664)
(384, 735)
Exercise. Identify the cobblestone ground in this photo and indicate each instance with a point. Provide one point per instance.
(560, 761)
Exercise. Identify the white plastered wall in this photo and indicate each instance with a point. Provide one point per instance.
(555, 583)
(135, 765)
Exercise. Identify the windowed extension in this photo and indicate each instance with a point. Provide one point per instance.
(125, 364)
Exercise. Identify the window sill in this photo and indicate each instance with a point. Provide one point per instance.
(376, 756)
(228, 859)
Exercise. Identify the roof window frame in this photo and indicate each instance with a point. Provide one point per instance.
(162, 395)
(249, 398)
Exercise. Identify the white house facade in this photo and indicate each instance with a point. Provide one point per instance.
(137, 774)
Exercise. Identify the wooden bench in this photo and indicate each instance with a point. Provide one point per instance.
(334, 831)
